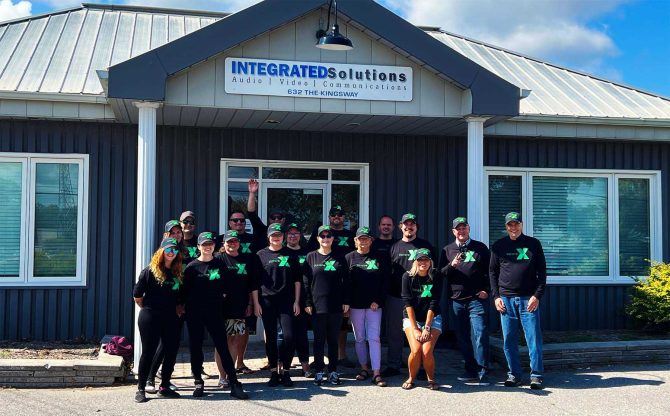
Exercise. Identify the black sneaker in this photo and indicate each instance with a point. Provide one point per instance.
(512, 381)
(150, 387)
(140, 397)
(274, 379)
(199, 390)
(238, 392)
(484, 380)
(286, 380)
(467, 378)
(318, 379)
(167, 392)
(536, 383)
(390, 372)
(334, 378)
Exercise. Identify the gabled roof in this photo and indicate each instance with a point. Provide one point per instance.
(144, 77)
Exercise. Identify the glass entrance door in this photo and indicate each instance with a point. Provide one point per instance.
(302, 202)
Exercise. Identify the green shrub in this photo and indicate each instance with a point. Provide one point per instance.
(650, 298)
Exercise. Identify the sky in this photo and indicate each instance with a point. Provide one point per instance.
(626, 41)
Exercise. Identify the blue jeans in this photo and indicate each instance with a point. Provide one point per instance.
(516, 314)
(472, 333)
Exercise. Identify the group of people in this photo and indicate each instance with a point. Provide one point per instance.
(336, 280)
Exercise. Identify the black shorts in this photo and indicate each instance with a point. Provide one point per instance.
(346, 324)
(250, 322)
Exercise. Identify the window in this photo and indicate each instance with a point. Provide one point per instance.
(43, 205)
(285, 185)
(594, 226)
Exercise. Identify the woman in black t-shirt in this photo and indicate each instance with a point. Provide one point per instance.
(422, 323)
(157, 294)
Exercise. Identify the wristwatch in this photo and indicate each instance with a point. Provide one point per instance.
(427, 327)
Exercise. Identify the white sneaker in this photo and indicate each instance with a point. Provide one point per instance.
(150, 387)
(223, 383)
(334, 378)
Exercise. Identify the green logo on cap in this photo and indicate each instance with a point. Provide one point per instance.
(245, 247)
(173, 223)
(460, 220)
(365, 230)
(410, 216)
(330, 266)
(337, 207)
(207, 236)
(192, 251)
(372, 265)
(214, 274)
(426, 291)
(232, 233)
(469, 256)
(172, 241)
(513, 216)
(343, 241)
(283, 261)
(241, 268)
(522, 254)
(275, 227)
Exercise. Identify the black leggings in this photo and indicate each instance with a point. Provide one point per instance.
(160, 352)
(300, 336)
(277, 310)
(211, 318)
(155, 327)
(326, 328)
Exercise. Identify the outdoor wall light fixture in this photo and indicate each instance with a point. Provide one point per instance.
(333, 41)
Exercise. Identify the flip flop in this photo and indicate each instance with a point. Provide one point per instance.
(363, 375)
(378, 381)
(408, 385)
(432, 385)
(244, 370)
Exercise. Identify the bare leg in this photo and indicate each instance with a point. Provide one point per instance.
(427, 354)
(414, 359)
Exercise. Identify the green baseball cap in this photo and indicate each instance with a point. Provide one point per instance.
(512, 217)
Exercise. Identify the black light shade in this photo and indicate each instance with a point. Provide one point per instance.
(334, 41)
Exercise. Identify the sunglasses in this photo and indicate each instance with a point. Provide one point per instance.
(188, 222)
(172, 250)
(324, 235)
(276, 217)
(237, 220)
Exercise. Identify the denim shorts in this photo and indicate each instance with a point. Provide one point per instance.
(436, 324)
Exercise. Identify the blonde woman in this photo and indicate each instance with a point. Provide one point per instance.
(422, 323)
(156, 293)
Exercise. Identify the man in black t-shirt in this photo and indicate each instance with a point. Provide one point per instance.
(187, 221)
(382, 244)
(465, 263)
(518, 275)
(403, 253)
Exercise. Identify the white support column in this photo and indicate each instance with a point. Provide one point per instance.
(476, 185)
(146, 194)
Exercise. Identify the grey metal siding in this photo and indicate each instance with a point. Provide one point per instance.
(593, 306)
(104, 305)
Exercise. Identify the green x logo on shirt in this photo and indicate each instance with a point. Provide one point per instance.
(192, 251)
(283, 261)
(426, 291)
(301, 259)
(343, 241)
(469, 256)
(175, 284)
(246, 247)
(522, 254)
(330, 266)
(214, 274)
(241, 268)
(372, 265)
(412, 254)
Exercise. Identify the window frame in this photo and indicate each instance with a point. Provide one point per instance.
(655, 216)
(27, 245)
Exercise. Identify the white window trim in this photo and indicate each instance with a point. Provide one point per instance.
(26, 278)
(655, 204)
(364, 183)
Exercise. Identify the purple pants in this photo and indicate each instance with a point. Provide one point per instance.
(367, 324)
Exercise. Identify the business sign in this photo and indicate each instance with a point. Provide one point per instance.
(318, 80)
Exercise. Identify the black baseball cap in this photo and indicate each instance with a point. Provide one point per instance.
(231, 235)
(458, 221)
(423, 253)
(336, 209)
(363, 231)
(171, 224)
(323, 228)
(512, 217)
(293, 225)
(408, 217)
(205, 237)
(185, 215)
(274, 229)
(169, 242)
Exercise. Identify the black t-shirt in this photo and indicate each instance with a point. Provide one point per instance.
(518, 267)
(239, 279)
(203, 284)
(472, 275)
(343, 241)
(402, 257)
(325, 278)
(422, 294)
(190, 251)
(368, 277)
(259, 239)
(383, 247)
(247, 243)
(160, 297)
(279, 272)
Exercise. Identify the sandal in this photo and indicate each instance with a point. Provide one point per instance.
(244, 370)
(378, 381)
(432, 385)
(408, 385)
(363, 375)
